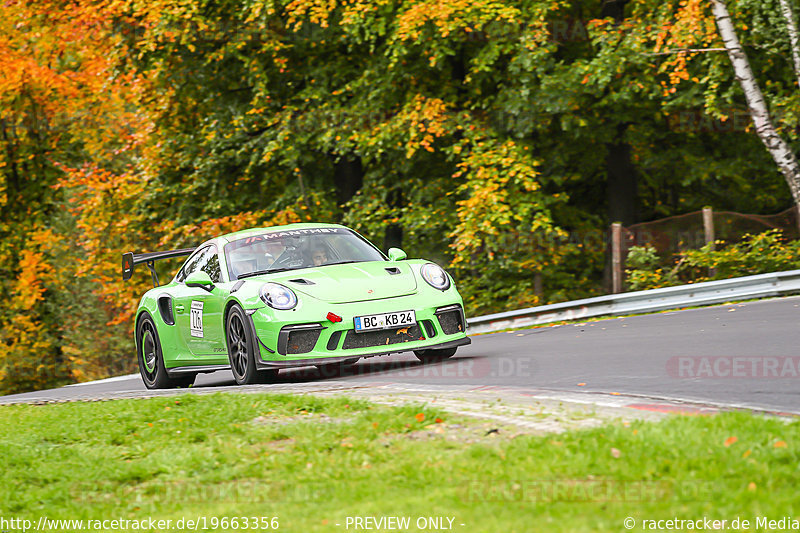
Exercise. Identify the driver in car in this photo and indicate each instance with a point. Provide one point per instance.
(319, 256)
(273, 251)
(260, 257)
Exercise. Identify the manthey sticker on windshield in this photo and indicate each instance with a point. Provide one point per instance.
(196, 319)
(290, 233)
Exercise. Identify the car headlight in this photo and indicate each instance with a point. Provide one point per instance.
(435, 276)
(278, 296)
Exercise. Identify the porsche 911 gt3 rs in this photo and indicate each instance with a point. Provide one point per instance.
(259, 300)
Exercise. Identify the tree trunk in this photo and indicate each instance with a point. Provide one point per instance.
(621, 183)
(614, 9)
(621, 175)
(348, 177)
(794, 37)
(622, 197)
(393, 237)
(777, 147)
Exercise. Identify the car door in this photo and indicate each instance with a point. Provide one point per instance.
(199, 312)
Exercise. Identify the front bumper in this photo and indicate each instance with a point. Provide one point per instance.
(291, 363)
(301, 342)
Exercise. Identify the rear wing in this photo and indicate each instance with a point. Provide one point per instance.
(130, 259)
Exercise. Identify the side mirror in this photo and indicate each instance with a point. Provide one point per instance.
(396, 254)
(200, 279)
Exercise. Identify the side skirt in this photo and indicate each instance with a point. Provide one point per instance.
(196, 369)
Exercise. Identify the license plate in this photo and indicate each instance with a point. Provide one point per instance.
(384, 321)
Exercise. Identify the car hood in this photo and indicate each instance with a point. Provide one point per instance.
(354, 282)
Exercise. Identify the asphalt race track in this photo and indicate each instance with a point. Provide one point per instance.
(744, 355)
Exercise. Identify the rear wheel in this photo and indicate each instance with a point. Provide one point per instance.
(242, 350)
(434, 356)
(151, 358)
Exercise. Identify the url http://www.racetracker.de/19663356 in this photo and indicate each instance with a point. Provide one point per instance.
(194, 523)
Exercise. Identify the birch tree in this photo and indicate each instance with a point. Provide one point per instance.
(794, 37)
(779, 149)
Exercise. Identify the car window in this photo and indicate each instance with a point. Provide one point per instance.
(293, 249)
(212, 266)
(205, 259)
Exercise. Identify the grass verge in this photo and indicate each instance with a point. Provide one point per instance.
(314, 461)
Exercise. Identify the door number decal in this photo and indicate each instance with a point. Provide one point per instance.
(196, 319)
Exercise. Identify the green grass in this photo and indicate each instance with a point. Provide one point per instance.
(314, 461)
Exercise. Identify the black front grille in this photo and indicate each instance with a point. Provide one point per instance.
(451, 321)
(302, 340)
(385, 337)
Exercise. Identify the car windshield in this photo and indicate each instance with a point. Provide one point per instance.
(294, 249)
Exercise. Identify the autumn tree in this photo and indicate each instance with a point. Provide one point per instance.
(64, 106)
(497, 138)
(698, 31)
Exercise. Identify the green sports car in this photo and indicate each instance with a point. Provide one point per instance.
(259, 300)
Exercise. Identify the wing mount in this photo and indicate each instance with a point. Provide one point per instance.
(130, 260)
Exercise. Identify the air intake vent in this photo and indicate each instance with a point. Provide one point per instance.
(297, 339)
(333, 341)
(451, 319)
(302, 341)
(165, 308)
(301, 281)
(393, 270)
(429, 329)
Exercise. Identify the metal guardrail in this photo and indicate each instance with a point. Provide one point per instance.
(706, 293)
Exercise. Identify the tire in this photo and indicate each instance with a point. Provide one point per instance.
(151, 358)
(435, 356)
(242, 350)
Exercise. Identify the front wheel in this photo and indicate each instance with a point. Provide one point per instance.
(242, 350)
(435, 356)
(151, 358)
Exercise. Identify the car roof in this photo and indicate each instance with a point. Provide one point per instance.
(229, 237)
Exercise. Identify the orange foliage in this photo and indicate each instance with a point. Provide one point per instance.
(448, 16)
(29, 289)
(693, 27)
(62, 97)
(427, 118)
